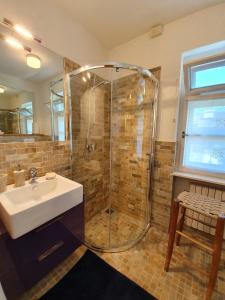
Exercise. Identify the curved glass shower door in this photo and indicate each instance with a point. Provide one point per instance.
(112, 135)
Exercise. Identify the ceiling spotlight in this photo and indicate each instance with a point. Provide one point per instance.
(84, 79)
(33, 61)
(23, 31)
(14, 43)
(2, 90)
(89, 75)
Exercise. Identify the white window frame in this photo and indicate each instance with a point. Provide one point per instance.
(211, 92)
(202, 64)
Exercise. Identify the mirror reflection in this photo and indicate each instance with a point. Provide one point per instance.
(31, 90)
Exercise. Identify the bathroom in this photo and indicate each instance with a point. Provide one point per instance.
(112, 168)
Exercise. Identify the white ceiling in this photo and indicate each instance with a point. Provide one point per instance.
(117, 21)
(13, 61)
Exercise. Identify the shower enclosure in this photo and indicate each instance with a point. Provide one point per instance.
(113, 116)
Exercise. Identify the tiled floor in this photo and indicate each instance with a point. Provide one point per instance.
(144, 265)
(123, 230)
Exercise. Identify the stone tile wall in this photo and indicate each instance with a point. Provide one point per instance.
(162, 184)
(131, 142)
(90, 113)
(45, 156)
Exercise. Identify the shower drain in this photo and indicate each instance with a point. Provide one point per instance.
(109, 211)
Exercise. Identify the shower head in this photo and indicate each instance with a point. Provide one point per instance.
(145, 73)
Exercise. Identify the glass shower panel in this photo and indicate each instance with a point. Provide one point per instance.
(90, 101)
(112, 136)
(131, 137)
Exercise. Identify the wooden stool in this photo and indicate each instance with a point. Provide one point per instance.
(207, 206)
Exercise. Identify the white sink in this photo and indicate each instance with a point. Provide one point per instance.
(25, 208)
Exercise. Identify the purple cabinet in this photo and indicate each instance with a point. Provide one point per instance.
(24, 261)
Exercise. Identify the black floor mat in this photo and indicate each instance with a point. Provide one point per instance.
(93, 279)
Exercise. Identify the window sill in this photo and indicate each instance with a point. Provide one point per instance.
(219, 181)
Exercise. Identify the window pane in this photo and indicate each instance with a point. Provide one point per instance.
(207, 75)
(29, 126)
(206, 117)
(61, 128)
(205, 154)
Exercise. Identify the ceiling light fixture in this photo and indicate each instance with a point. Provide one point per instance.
(23, 31)
(84, 79)
(2, 90)
(33, 61)
(89, 75)
(14, 43)
(20, 30)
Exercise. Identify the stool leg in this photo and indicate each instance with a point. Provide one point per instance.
(172, 232)
(180, 225)
(217, 247)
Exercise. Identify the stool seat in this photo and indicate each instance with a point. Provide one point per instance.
(207, 206)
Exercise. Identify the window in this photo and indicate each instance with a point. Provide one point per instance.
(205, 76)
(61, 128)
(203, 129)
(59, 118)
(26, 118)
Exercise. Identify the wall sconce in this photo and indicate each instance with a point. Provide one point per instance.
(14, 43)
(20, 30)
(23, 31)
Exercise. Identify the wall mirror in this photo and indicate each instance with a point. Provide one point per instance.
(31, 90)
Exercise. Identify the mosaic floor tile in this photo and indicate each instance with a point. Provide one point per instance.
(123, 229)
(144, 264)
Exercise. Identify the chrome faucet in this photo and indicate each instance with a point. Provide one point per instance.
(33, 175)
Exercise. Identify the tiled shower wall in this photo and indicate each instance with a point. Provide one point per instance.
(132, 116)
(8, 122)
(91, 168)
(45, 156)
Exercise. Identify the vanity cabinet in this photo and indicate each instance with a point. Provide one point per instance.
(25, 260)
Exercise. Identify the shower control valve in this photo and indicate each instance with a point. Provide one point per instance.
(91, 147)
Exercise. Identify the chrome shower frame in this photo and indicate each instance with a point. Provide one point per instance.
(146, 74)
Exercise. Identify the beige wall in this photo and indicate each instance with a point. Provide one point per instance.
(58, 31)
(201, 28)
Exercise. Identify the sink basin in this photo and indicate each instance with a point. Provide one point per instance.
(25, 208)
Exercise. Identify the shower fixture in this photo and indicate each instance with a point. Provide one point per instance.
(117, 66)
(113, 119)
